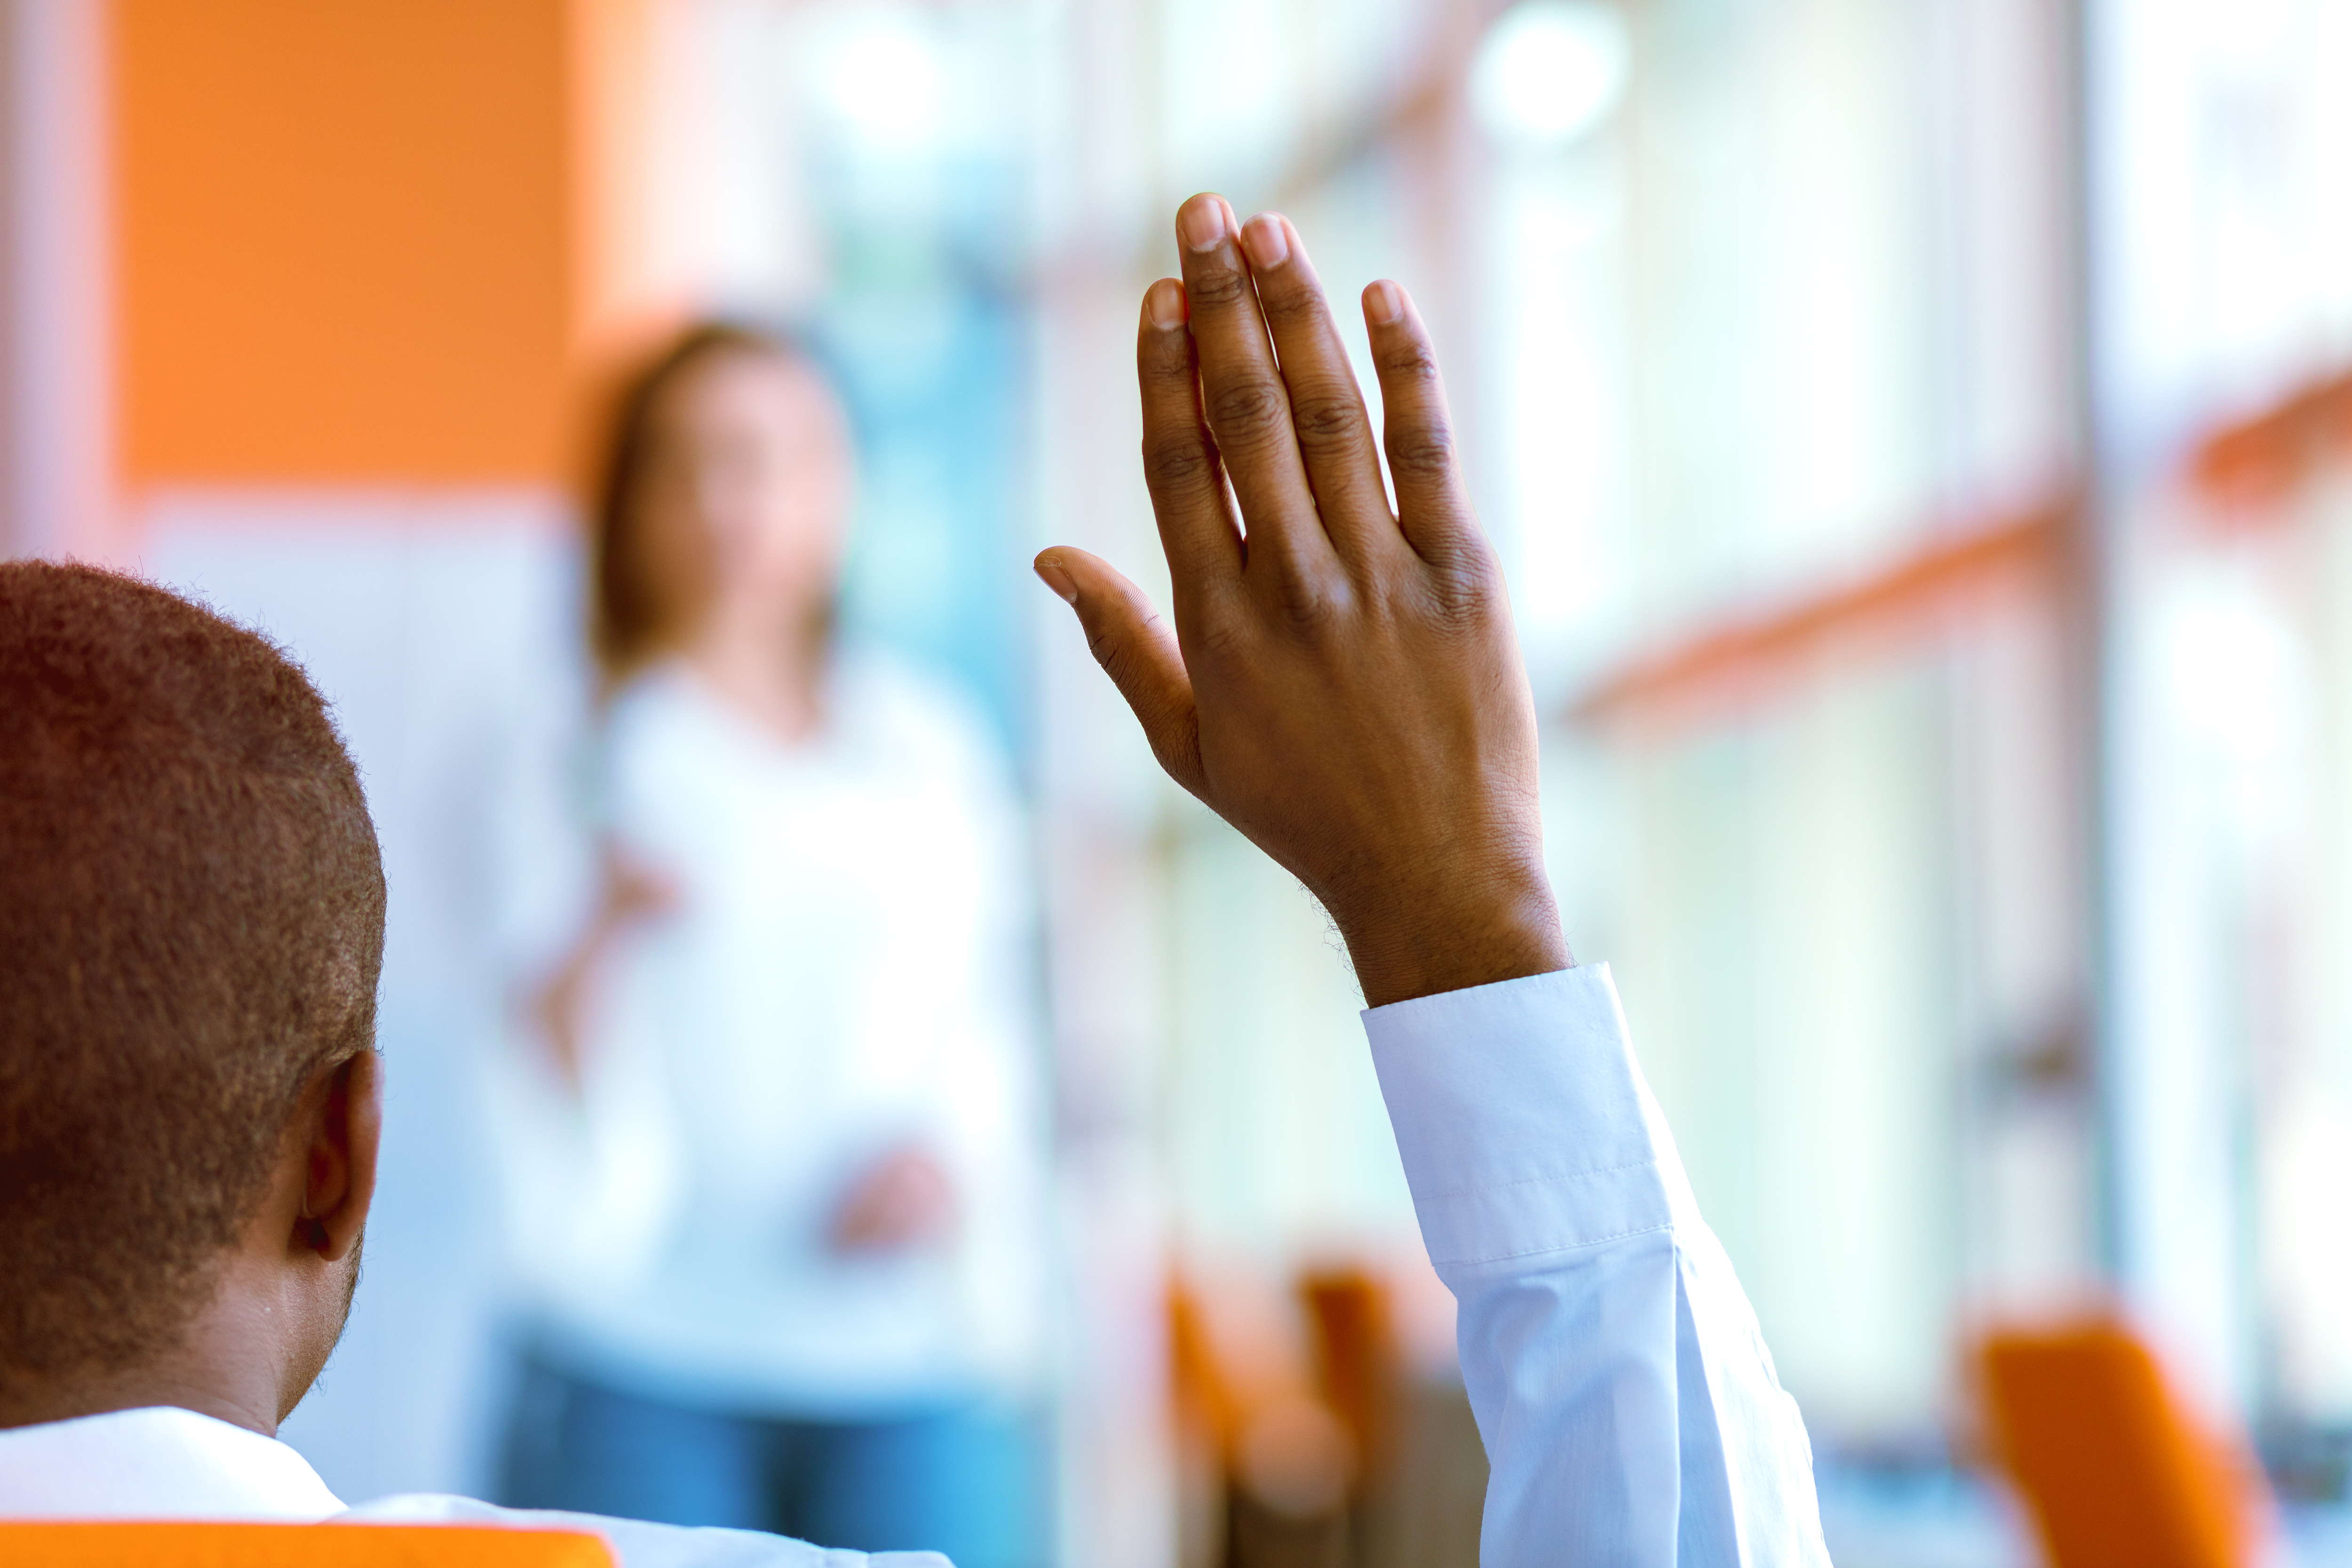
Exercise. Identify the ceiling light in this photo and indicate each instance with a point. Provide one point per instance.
(1549, 72)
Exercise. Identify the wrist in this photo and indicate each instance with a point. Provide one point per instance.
(1418, 943)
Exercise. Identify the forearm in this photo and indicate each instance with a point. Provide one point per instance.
(559, 1005)
(1629, 1409)
(1630, 1412)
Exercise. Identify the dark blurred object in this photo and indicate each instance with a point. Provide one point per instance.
(2113, 1467)
(1305, 1440)
(1426, 1512)
(2051, 1060)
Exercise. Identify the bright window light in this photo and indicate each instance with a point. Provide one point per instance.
(1549, 72)
(885, 80)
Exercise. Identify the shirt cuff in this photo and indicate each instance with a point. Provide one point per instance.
(1524, 1121)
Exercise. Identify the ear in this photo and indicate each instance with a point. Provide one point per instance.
(339, 1167)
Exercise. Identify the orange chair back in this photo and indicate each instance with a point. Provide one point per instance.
(1359, 1367)
(2117, 1472)
(146, 1545)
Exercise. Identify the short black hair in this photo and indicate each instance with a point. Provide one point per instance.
(191, 927)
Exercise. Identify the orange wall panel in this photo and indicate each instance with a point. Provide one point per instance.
(345, 239)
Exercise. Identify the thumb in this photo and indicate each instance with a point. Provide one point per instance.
(1136, 649)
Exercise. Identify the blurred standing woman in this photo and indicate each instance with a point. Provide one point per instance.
(782, 1226)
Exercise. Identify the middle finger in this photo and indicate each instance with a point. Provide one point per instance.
(1327, 409)
(1242, 391)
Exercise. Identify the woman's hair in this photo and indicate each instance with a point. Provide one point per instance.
(633, 614)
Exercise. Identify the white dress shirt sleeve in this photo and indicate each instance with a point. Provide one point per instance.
(1630, 1410)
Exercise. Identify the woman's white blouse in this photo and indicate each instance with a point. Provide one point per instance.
(845, 972)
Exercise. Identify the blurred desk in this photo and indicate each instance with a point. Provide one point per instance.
(1931, 1518)
(1950, 1519)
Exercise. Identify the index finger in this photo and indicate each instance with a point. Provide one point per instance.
(1180, 462)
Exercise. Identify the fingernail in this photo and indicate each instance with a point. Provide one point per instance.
(1267, 245)
(1384, 302)
(1049, 570)
(1202, 222)
(1164, 303)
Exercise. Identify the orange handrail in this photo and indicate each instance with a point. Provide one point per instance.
(2248, 466)
(1901, 598)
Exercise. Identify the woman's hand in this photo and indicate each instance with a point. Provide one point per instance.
(633, 894)
(1342, 683)
(902, 1202)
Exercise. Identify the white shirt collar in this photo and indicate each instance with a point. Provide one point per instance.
(159, 1463)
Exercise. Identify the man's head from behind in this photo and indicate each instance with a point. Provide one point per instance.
(190, 929)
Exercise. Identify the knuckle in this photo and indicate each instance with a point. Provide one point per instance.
(1301, 604)
(1465, 597)
(1462, 590)
(1294, 305)
(1475, 572)
(1247, 411)
(1217, 287)
(1174, 463)
(1326, 417)
(1411, 362)
(1105, 648)
(1167, 364)
(1421, 452)
(1117, 656)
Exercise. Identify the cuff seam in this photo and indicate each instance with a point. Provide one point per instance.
(1452, 1194)
(1547, 1251)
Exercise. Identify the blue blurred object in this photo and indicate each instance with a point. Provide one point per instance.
(1927, 1514)
(969, 1481)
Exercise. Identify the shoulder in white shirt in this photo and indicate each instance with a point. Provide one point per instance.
(163, 1463)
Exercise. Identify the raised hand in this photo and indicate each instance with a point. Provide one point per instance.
(1342, 683)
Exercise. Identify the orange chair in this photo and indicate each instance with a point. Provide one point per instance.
(1245, 1384)
(1360, 1368)
(2117, 1471)
(147, 1546)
